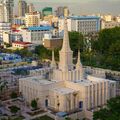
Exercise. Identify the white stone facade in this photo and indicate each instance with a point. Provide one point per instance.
(66, 88)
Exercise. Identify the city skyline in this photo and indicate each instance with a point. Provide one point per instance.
(81, 7)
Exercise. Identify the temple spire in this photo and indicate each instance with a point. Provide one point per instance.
(66, 44)
(53, 63)
(78, 65)
(66, 54)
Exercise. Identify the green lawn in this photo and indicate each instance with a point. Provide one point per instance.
(44, 118)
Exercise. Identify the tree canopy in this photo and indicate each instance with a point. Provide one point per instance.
(110, 112)
(14, 95)
(42, 52)
(76, 41)
(107, 37)
(104, 53)
(107, 49)
(14, 109)
(23, 52)
(34, 104)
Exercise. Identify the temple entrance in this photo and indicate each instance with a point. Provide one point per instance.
(46, 103)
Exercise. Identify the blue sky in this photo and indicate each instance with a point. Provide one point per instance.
(81, 6)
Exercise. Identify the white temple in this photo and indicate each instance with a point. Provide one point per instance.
(68, 89)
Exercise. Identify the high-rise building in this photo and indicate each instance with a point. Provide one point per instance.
(32, 19)
(66, 12)
(31, 8)
(6, 16)
(22, 8)
(47, 11)
(62, 11)
(1, 13)
(7, 10)
(4, 27)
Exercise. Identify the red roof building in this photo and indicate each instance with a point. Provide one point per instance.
(21, 45)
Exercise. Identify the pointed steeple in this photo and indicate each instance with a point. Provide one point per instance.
(53, 63)
(66, 44)
(66, 54)
(78, 65)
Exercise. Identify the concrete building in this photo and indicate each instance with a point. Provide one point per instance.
(9, 37)
(111, 24)
(51, 20)
(52, 42)
(66, 88)
(21, 45)
(18, 21)
(2, 17)
(62, 11)
(83, 24)
(118, 18)
(30, 8)
(35, 34)
(22, 8)
(4, 27)
(108, 18)
(66, 12)
(32, 19)
(47, 11)
(7, 9)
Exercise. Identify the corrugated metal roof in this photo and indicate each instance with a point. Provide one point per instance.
(40, 28)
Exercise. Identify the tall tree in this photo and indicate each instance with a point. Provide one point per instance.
(111, 112)
(76, 41)
(42, 52)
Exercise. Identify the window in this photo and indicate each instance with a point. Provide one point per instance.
(81, 105)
